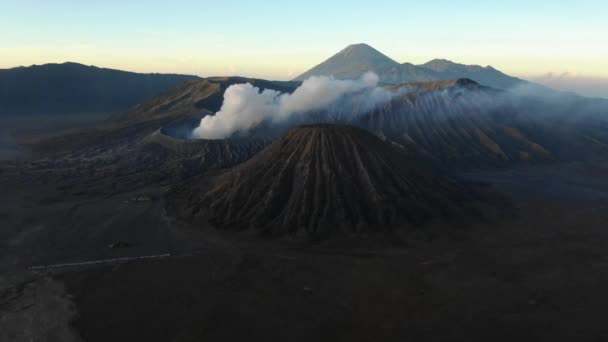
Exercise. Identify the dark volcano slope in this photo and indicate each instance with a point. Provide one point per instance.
(143, 146)
(194, 99)
(161, 157)
(177, 112)
(157, 159)
(322, 180)
(458, 123)
(462, 124)
(454, 123)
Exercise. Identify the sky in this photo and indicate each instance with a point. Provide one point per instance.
(540, 40)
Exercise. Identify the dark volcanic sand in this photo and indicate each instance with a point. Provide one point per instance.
(539, 276)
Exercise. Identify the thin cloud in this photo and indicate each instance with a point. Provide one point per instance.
(580, 84)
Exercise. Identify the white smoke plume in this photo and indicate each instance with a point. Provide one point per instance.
(245, 106)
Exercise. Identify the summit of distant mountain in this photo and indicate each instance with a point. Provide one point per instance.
(350, 63)
(73, 88)
(355, 60)
(446, 69)
(444, 65)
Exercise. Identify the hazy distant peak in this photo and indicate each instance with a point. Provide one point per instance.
(356, 59)
(408, 64)
(443, 65)
(362, 50)
(439, 62)
(72, 63)
(364, 54)
(351, 62)
(358, 46)
(48, 65)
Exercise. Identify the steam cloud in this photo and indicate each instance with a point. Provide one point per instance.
(245, 106)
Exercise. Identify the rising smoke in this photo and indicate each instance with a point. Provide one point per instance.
(328, 100)
(246, 106)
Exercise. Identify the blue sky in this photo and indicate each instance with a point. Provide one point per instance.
(280, 39)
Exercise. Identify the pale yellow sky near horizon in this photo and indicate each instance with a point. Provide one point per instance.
(283, 64)
(584, 81)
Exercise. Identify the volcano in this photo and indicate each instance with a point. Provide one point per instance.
(354, 60)
(350, 63)
(321, 180)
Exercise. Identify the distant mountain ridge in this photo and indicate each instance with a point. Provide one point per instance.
(483, 75)
(72, 88)
(357, 59)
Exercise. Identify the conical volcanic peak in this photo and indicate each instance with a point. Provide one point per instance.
(322, 180)
(351, 63)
